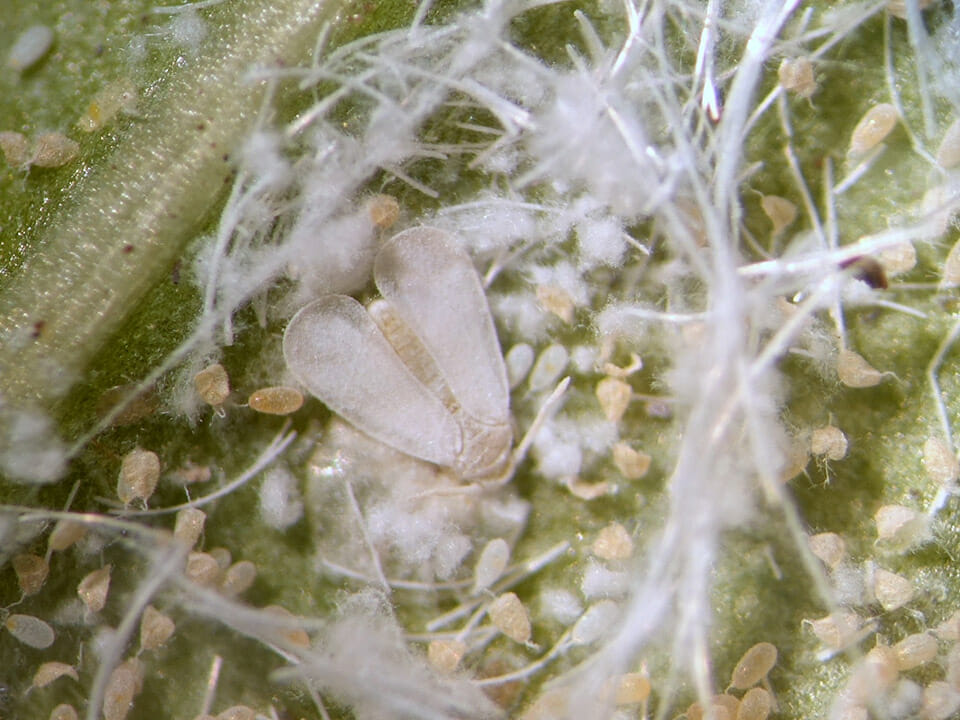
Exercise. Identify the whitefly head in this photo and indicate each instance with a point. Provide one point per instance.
(421, 368)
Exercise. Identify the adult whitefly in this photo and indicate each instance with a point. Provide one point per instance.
(420, 370)
(30, 630)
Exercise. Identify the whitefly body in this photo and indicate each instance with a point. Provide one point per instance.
(419, 369)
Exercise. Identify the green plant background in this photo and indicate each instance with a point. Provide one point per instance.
(886, 425)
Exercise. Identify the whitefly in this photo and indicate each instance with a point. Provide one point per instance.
(420, 369)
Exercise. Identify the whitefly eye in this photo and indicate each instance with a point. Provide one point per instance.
(420, 370)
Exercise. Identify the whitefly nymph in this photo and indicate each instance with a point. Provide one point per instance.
(420, 369)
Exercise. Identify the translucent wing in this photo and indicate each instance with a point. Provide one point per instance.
(433, 287)
(336, 350)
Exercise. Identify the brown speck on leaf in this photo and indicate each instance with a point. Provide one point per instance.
(867, 269)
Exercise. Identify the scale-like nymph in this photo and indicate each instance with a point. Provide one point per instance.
(420, 369)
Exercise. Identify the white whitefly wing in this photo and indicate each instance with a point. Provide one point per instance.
(434, 288)
(336, 350)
